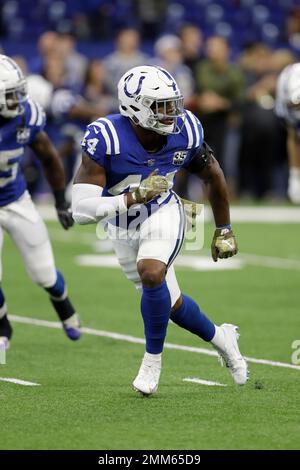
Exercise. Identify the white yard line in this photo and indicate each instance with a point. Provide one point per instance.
(203, 382)
(135, 340)
(201, 263)
(18, 381)
(270, 262)
(261, 214)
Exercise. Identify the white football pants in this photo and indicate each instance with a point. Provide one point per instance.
(23, 223)
(160, 237)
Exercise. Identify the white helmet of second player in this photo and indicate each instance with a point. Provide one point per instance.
(13, 88)
(150, 97)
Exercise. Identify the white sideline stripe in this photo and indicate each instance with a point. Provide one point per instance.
(203, 382)
(135, 340)
(270, 262)
(199, 263)
(263, 214)
(18, 381)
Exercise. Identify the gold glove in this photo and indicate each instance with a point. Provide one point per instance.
(224, 244)
(150, 187)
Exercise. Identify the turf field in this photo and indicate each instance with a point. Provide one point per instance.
(85, 400)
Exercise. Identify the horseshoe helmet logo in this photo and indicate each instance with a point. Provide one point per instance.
(139, 87)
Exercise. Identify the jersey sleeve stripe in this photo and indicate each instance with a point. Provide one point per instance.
(105, 135)
(114, 135)
(194, 125)
(40, 113)
(33, 112)
(189, 133)
(200, 127)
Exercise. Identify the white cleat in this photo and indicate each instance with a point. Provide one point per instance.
(147, 379)
(231, 356)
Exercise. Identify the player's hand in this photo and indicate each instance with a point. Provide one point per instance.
(151, 187)
(64, 215)
(224, 244)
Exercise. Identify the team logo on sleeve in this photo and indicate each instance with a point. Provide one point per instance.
(23, 135)
(179, 157)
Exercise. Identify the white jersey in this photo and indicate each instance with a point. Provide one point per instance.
(283, 94)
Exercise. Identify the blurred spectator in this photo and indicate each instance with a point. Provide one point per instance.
(126, 56)
(192, 45)
(168, 50)
(220, 88)
(47, 44)
(54, 69)
(75, 64)
(292, 29)
(262, 137)
(151, 16)
(21, 62)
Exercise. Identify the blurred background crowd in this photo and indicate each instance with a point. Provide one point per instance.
(226, 56)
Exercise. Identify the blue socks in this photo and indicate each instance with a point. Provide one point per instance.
(190, 317)
(156, 308)
(59, 287)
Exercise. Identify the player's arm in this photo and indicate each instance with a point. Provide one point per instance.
(54, 172)
(293, 146)
(205, 166)
(88, 204)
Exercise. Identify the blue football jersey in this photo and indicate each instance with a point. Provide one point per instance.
(112, 143)
(15, 134)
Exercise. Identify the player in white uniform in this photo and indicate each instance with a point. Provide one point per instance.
(21, 123)
(288, 108)
(126, 177)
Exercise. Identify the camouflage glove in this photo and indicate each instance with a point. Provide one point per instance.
(150, 188)
(224, 244)
(192, 210)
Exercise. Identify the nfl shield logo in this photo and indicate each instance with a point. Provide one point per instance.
(179, 157)
(23, 135)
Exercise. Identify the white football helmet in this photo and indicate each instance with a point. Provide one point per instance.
(150, 97)
(293, 91)
(13, 88)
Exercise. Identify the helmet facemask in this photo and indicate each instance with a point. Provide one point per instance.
(163, 115)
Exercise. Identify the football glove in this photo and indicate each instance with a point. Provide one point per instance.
(150, 187)
(63, 209)
(65, 216)
(224, 244)
(192, 210)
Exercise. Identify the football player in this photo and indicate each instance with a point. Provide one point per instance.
(126, 177)
(21, 123)
(288, 107)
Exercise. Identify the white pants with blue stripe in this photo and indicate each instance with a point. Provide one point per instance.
(160, 237)
(25, 226)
